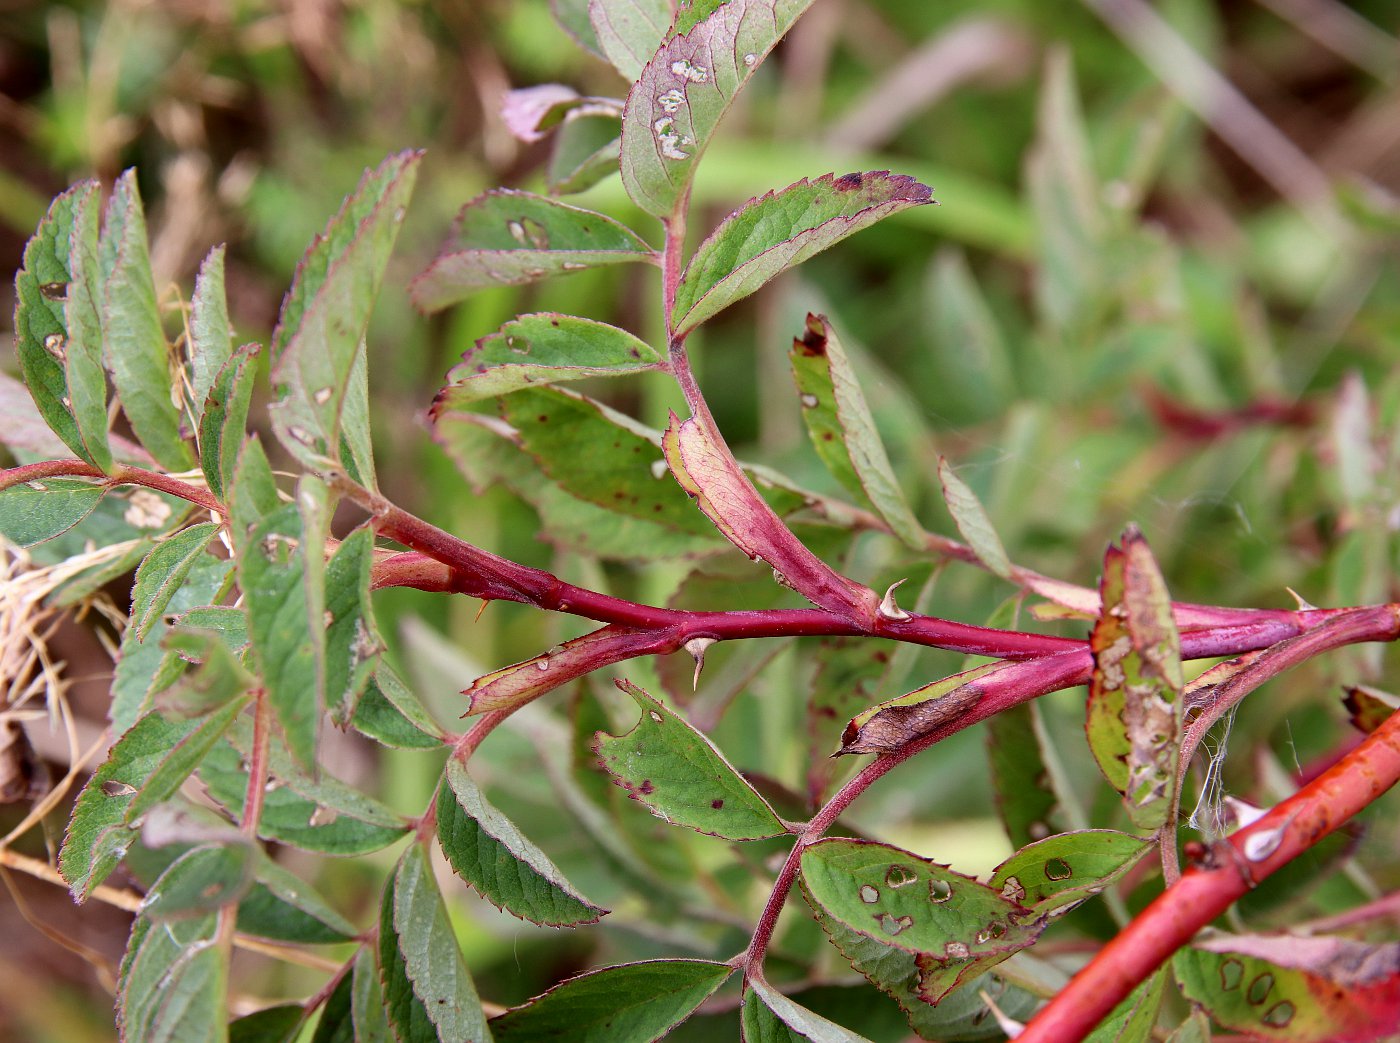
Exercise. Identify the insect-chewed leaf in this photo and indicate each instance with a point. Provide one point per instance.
(391, 714)
(522, 682)
(543, 349)
(224, 416)
(1368, 708)
(502, 865)
(726, 497)
(211, 336)
(505, 237)
(1058, 872)
(905, 717)
(630, 1003)
(770, 1017)
(629, 31)
(679, 774)
(684, 90)
(428, 991)
(133, 341)
(1290, 987)
(284, 907)
(319, 372)
(897, 973)
(972, 521)
(32, 512)
(58, 334)
(173, 982)
(585, 152)
(913, 904)
(322, 814)
(200, 881)
(1133, 1020)
(780, 230)
(163, 573)
(842, 428)
(145, 767)
(1134, 713)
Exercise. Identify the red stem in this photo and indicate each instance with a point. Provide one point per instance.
(1204, 892)
(119, 475)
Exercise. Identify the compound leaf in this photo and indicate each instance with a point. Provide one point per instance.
(972, 521)
(1061, 871)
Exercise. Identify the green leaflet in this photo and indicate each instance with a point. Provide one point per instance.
(1029, 805)
(972, 521)
(505, 237)
(585, 152)
(842, 428)
(284, 907)
(172, 984)
(224, 417)
(682, 777)
(1133, 1019)
(976, 371)
(218, 676)
(684, 91)
(163, 572)
(428, 991)
(352, 642)
(1057, 872)
(770, 1017)
(391, 714)
(211, 337)
(276, 1024)
(145, 767)
(630, 31)
(504, 867)
(544, 348)
(782, 229)
(133, 341)
(200, 881)
(631, 1003)
(319, 371)
(57, 331)
(1134, 713)
(32, 512)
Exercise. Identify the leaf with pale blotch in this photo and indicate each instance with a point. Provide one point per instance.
(428, 991)
(211, 337)
(504, 867)
(545, 348)
(914, 904)
(724, 494)
(389, 713)
(506, 238)
(1133, 1020)
(896, 721)
(624, 1004)
(585, 152)
(1293, 987)
(1368, 708)
(58, 334)
(145, 767)
(1134, 713)
(972, 521)
(164, 571)
(898, 974)
(352, 641)
(133, 341)
(224, 417)
(321, 814)
(200, 881)
(629, 31)
(682, 777)
(778, 231)
(283, 907)
(770, 1017)
(685, 89)
(1059, 872)
(32, 512)
(319, 374)
(842, 428)
(173, 983)
(523, 682)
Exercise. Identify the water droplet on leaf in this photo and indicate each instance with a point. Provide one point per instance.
(656, 717)
(322, 397)
(750, 59)
(810, 401)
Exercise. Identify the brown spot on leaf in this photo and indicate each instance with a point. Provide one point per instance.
(848, 182)
(646, 787)
(717, 803)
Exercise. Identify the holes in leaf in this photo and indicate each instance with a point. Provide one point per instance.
(54, 291)
(1013, 890)
(939, 891)
(900, 876)
(956, 951)
(1058, 869)
(1231, 974)
(869, 894)
(894, 924)
(1279, 1015)
(991, 932)
(1259, 988)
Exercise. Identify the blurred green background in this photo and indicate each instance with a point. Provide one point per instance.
(1121, 311)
